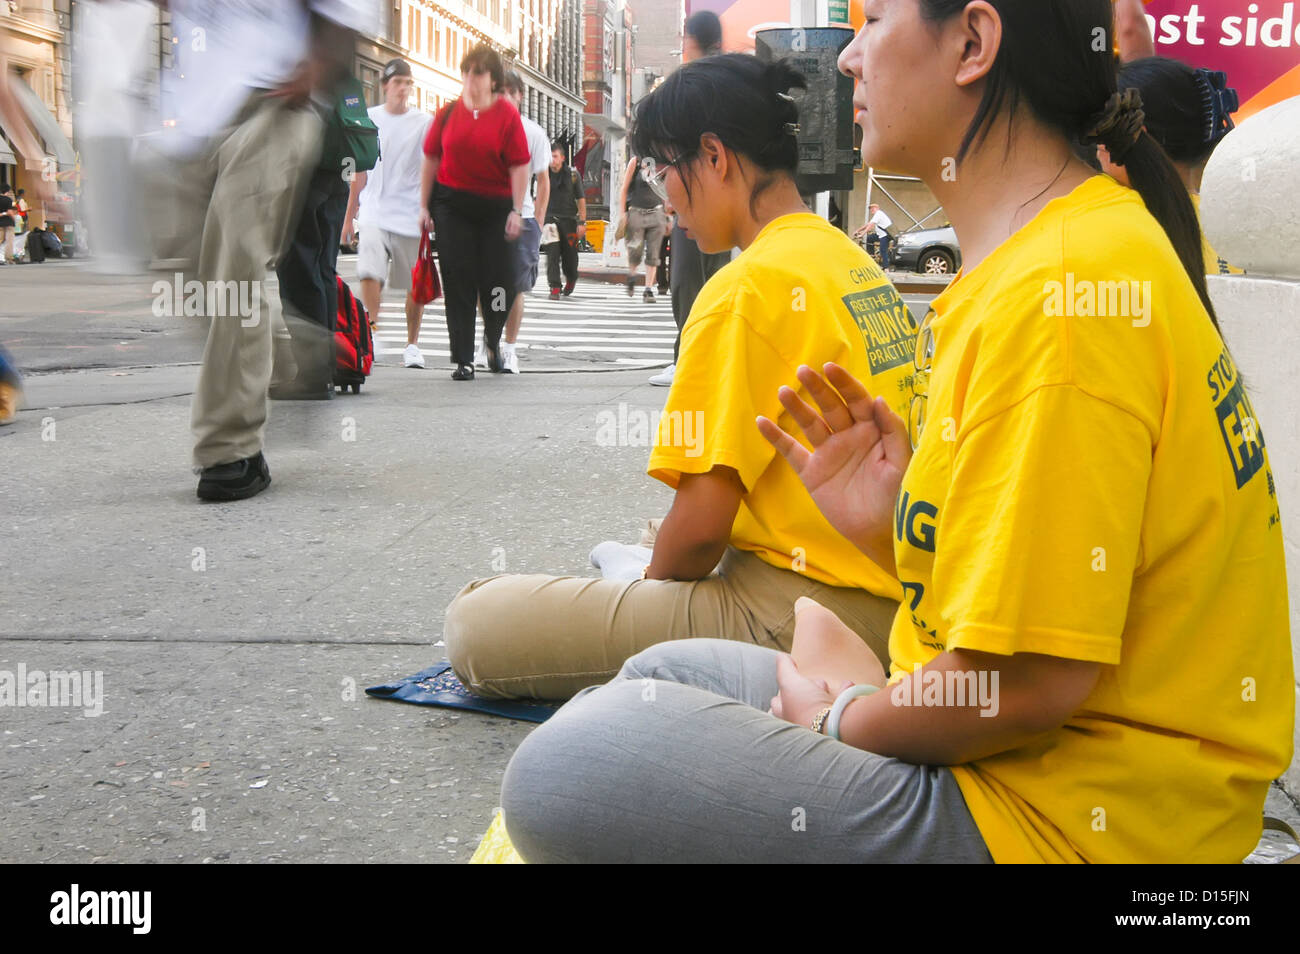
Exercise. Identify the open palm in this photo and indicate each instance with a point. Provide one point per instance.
(860, 452)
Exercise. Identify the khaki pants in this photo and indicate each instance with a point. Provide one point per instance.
(548, 637)
(230, 212)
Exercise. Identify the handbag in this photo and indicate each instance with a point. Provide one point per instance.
(426, 287)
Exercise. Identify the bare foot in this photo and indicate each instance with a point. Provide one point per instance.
(825, 648)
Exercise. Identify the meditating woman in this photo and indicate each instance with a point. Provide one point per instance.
(1092, 660)
(724, 130)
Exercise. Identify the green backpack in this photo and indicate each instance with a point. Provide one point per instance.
(351, 136)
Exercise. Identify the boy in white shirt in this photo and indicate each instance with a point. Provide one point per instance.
(386, 204)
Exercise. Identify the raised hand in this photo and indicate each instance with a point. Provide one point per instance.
(860, 452)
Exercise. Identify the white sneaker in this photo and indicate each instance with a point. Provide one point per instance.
(412, 358)
(480, 356)
(664, 379)
(509, 360)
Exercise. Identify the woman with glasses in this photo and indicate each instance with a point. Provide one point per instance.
(472, 186)
(741, 542)
(1092, 659)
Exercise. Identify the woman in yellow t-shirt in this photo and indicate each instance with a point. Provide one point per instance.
(1092, 659)
(721, 139)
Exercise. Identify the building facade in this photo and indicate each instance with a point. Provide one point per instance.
(35, 55)
(539, 39)
(609, 32)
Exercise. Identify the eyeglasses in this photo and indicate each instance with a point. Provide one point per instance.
(656, 175)
(922, 359)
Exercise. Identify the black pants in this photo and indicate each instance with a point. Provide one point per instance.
(691, 269)
(476, 266)
(307, 273)
(563, 254)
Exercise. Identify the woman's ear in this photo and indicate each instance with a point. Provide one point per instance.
(714, 155)
(979, 28)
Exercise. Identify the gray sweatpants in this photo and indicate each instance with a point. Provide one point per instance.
(677, 760)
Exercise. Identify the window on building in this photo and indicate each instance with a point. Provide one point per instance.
(429, 46)
(419, 34)
(410, 27)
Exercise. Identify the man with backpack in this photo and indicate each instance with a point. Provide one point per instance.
(308, 270)
(386, 203)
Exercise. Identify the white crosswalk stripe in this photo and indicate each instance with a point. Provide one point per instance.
(599, 322)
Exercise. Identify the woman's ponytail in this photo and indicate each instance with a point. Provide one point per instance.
(1119, 127)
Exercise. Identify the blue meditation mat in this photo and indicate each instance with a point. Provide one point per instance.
(438, 686)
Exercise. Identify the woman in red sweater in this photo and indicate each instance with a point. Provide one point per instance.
(472, 189)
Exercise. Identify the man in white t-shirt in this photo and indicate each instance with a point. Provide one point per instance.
(385, 202)
(881, 223)
(527, 249)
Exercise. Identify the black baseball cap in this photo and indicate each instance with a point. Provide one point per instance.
(396, 67)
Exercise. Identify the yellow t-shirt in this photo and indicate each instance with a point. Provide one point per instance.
(802, 293)
(1213, 264)
(1091, 483)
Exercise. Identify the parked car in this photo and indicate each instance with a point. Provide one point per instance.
(929, 251)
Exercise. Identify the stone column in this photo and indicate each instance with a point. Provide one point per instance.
(1251, 214)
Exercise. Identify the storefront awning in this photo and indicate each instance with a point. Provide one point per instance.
(45, 125)
(7, 157)
(604, 125)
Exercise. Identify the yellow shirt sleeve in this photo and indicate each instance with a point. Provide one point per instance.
(727, 375)
(1042, 528)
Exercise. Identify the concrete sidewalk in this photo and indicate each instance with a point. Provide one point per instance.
(235, 640)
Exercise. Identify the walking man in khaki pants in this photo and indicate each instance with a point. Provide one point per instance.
(247, 95)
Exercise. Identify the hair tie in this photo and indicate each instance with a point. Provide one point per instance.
(1218, 102)
(1119, 124)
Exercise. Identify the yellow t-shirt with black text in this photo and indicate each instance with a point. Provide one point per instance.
(802, 293)
(1092, 484)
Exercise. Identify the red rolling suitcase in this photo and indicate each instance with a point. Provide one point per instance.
(354, 346)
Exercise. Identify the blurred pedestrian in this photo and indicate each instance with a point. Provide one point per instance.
(308, 269)
(691, 268)
(7, 223)
(11, 389)
(229, 179)
(386, 203)
(472, 188)
(528, 247)
(646, 224)
(567, 211)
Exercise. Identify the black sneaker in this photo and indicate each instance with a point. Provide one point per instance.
(631, 289)
(649, 296)
(495, 364)
(568, 289)
(464, 373)
(235, 481)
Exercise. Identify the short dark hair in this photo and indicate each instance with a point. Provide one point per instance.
(513, 83)
(1184, 107)
(742, 100)
(705, 29)
(558, 146)
(486, 59)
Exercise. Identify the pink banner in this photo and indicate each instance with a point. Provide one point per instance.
(1256, 42)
